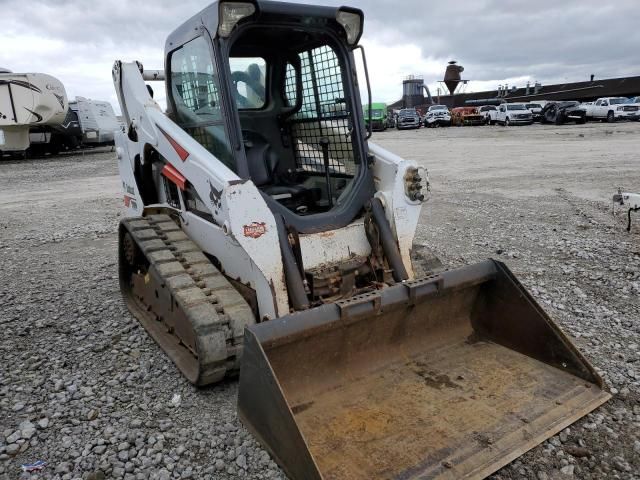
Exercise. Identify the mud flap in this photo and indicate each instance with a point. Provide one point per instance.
(448, 377)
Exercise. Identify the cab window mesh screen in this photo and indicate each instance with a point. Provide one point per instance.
(324, 113)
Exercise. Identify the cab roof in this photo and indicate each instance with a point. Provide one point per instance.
(267, 11)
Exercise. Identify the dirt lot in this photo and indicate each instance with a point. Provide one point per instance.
(83, 388)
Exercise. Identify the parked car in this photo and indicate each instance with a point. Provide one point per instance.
(611, 109)
(490, 113)
(408, 118)
(466, 116)
(514, 114)
(536, 111)
(563, 112)
(437, 116)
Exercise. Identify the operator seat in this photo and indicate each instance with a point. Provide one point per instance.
(263, 162)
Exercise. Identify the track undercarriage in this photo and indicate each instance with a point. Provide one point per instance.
(184, 302)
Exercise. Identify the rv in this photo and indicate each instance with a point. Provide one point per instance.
(29, 102)
(97, 121)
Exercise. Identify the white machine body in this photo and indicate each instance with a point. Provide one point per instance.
(243, 233)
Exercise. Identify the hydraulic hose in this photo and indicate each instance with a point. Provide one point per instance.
(635, 209)
(389, 245)
(292, 276)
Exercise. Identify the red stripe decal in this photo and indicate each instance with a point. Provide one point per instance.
(182, 153)
(174, 175)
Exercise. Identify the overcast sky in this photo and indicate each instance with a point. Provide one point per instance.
(497, 41)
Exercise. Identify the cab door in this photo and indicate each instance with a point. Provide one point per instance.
(7, 115)
(195, 98)
(599, 109)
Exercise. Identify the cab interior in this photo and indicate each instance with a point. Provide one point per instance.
(297, 123)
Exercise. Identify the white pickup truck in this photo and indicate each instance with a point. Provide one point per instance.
(612, 109)
(490, 113)
(437, 116)
(514, 114)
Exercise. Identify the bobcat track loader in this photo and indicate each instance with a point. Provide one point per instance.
(265, 236)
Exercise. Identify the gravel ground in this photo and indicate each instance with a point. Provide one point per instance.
(83, 387)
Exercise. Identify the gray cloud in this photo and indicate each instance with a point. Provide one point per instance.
(496, 39)
(546, 40)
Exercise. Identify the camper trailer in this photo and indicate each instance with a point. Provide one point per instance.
(28, 102)
(56, 138)
(97, 121)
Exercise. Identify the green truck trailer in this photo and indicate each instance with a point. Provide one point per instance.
(379, 117)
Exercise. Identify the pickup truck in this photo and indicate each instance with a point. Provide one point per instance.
(490, 113)
(612, 109)
(633, 102)
(514, 114)
(437, 116)
(408, 118)
(536, 111)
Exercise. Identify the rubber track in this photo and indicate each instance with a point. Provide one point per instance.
(217, 313)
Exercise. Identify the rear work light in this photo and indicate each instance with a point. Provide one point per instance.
(231, 13)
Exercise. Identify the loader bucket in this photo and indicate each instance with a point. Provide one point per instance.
(448, 377)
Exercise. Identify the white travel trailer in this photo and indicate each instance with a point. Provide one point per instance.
(28, 100)
(97, 120)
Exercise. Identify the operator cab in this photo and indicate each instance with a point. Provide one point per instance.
(296, 122)
(292, 105)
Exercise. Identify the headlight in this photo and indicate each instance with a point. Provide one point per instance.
(352, 24)
(231, 13)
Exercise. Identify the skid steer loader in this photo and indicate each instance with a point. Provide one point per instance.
(265, 236)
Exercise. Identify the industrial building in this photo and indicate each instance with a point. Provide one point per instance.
(414, 91)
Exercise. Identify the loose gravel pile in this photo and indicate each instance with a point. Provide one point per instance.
(84, 388)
